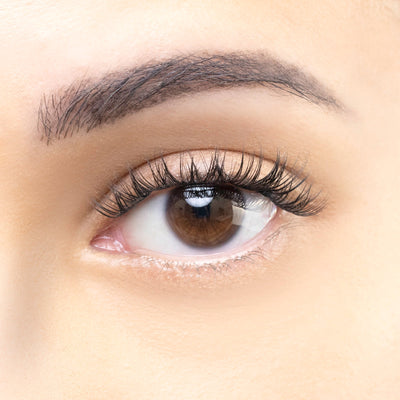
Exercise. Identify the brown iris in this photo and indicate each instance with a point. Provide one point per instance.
(204, 216)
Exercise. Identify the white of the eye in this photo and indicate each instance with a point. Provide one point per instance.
(146, 226)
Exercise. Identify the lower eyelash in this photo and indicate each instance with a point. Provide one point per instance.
(285, 189)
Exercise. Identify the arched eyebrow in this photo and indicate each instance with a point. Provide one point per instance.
(90, 103)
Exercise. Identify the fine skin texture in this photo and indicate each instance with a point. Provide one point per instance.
(317, 318)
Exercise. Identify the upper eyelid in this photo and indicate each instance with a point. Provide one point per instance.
(278, 184)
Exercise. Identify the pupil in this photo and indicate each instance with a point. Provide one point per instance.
(204, 216)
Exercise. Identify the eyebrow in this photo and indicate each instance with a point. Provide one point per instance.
(89, 103)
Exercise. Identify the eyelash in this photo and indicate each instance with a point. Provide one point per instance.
(285, 189)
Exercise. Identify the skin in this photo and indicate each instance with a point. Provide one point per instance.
(321, 321)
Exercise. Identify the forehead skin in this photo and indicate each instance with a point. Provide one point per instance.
(324, 326)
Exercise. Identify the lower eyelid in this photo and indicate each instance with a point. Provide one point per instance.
(257, 257)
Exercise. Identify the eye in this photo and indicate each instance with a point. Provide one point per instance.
(193, 220)
(194, 205)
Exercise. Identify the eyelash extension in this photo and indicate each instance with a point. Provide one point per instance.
(286, 190)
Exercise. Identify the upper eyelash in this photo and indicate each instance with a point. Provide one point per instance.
(285, 189)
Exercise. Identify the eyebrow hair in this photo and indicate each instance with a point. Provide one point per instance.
(89, 103)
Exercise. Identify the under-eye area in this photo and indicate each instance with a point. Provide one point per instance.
(204, 209)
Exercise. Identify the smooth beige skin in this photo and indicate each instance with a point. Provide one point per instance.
(322, 322)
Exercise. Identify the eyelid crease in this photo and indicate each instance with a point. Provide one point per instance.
(285, 188)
